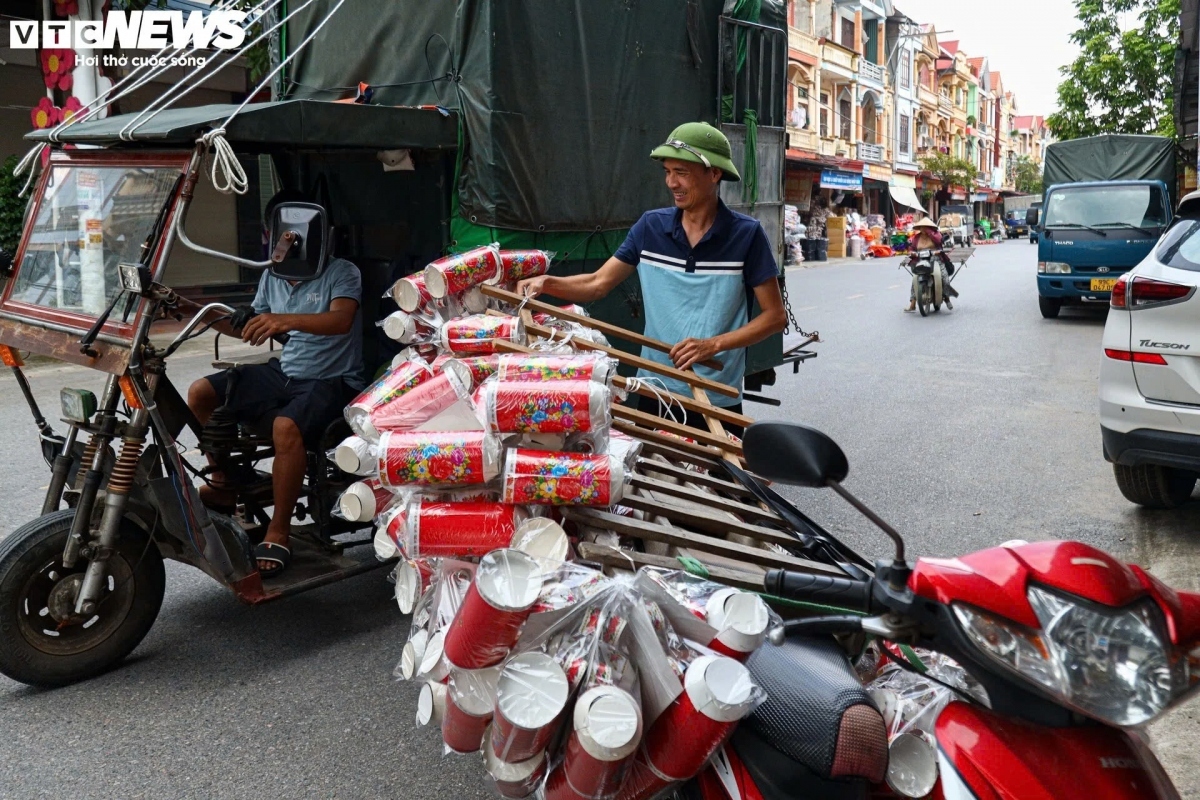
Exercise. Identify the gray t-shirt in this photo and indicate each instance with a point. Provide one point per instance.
(309, 355)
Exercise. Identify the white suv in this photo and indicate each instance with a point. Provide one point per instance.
(1150, 372)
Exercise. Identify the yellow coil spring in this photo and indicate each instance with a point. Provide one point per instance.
(124, 471)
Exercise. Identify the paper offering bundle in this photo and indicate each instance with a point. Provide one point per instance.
(556, 478)
(457, 273)
(522, 406)
(478, 334)
(438, 458)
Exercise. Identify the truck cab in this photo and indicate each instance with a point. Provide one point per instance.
(1092, 233)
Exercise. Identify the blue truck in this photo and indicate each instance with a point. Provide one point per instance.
(1106, 202)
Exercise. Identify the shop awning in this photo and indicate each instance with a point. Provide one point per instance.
(903, 196)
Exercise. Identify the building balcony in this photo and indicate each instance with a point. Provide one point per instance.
(871, 73)
(800, 139)
(929, 98)
(838, 56)
(871, 152)
(833, 148)
(945, 107)
(803, 42)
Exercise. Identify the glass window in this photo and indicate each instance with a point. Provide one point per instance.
(848, 33)
(1107, 206)
(904, 133)
(905, 69)
(845, 118)
(1180, 246)
(90, 220)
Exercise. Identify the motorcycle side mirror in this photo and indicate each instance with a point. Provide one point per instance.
(794, 454)
(299, 236)
(801, 456)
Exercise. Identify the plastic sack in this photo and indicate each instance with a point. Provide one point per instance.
(502, 595)
(421, 400)
(438, 458)
(455, 274)
(517, 265)
(577, 367)
(477, 334)
(464, 530)
(544, 407)
(557, 478)
(356, 456)
(410, 293)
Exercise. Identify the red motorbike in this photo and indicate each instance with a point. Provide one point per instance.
(1073, 653)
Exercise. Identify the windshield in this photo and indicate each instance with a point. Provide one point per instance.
(1137, 206)
(90, 219)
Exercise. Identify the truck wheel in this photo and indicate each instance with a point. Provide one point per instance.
(42, 641)
(1153, 486)
(1050, 306)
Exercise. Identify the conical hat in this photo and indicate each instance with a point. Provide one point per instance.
(925, 222)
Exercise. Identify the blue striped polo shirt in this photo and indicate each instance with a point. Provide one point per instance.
(699, 291)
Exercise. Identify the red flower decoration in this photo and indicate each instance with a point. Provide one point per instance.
(45, 114)
(57, 66)
(71, 108)
(66, 8)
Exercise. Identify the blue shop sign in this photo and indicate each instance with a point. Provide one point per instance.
(832, 179)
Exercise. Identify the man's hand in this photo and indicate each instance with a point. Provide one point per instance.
(693, 351)
(532, 287)
(242, 315)
(263, 327)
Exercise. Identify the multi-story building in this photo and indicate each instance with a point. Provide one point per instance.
(1032, 137)
(904, 44)
(954, 83)
(933, 116)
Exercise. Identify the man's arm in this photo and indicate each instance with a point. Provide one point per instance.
(337, 321)
(578, 288)
(772, 319)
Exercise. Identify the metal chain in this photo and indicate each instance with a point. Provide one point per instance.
(792, 323)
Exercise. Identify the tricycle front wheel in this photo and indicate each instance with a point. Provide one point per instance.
(42, 641)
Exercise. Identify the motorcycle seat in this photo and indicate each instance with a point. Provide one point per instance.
(819, 728)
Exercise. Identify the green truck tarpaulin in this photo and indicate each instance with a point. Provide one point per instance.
(1111, 157)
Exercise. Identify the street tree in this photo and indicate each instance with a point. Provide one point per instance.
(1027, 175)
(1121, 81)
(950, 170)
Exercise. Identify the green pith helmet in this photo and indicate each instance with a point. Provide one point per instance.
(701, 143)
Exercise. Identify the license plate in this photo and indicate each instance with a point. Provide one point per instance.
(1103, 284)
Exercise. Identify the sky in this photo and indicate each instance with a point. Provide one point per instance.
(1026, 41)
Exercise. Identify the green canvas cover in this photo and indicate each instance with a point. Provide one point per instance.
(1111, 157)
(562, 100)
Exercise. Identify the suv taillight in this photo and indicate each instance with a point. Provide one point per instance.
(1146, 291)
(1118, 294)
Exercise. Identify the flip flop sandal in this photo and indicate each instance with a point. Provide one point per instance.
(275, 554)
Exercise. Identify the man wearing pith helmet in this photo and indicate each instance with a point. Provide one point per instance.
(697, 262)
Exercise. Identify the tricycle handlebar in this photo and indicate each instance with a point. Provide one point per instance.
(196, 320)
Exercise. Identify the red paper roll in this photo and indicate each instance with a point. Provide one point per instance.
(741, 619)
(364, 500)
(501, 596)
(464, 722)
(529, 367)
(458, 530)
(539, 477)
(718, 692)
(410, 293)
(437, 458)
(418, 405)
(481, 367)
(642, 783)
(477, 334)
(455, 274)
(544, 407)
(517, 265)
(530, 699)
(608, 729)
(515, 780)
(396, 383)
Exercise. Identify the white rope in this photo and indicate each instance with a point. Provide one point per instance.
(665, 403)
(26, 163)
(228, 176)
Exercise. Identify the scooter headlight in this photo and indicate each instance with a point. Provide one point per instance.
(1115, 665)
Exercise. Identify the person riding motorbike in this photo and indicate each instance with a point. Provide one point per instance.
(928, 238)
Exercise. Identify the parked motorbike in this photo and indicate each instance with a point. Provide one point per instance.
(1072, 653)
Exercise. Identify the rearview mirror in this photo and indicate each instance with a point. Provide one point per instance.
(794, 454)
(1031, 217)
(299, 237)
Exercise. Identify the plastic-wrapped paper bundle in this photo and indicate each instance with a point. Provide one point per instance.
(438, 458)
(517, 265)
(478, 334)
(499, 600)
(431, 529)
(365, 500)
(423, 655)
(578, 367)
(606, 731)
(531, 698)
(457, 273)
(729, 621)
(411, 293)
(356, 456)
(544, 407)
(412, 577)
(469, 704)
(538, 477)
(407, 397)
(405, 327)
(620, 445)
(481, 367)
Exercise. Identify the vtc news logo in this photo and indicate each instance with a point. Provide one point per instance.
(135, 30)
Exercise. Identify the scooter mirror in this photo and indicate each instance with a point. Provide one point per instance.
(299, 241)
(794, 454)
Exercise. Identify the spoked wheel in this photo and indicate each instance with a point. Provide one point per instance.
(43, 642)
(924, 297)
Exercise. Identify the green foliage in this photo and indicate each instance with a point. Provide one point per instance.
(950, 170)
(1027, 175)
(1122, 80)
(12, 207)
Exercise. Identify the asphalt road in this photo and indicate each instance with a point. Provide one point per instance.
(964, 430)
